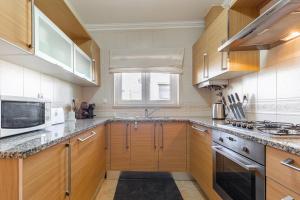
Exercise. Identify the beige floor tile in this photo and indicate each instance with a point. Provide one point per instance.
(190, 190)
(107, 190)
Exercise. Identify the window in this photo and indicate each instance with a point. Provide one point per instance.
(146, 89)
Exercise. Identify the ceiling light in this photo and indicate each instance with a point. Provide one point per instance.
(291, 36)
(295, 13)
(264, 31)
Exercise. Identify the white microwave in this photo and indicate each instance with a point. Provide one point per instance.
(22, 114)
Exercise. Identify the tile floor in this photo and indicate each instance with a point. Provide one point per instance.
(189, 190)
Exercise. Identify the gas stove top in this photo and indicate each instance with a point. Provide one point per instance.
(267, 127)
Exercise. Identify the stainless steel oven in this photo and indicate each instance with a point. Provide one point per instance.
(238, 167)
(21, 114)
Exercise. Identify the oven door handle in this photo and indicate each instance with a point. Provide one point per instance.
(248, 167)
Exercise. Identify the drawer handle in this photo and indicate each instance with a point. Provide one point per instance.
(288, 198)
(88, 137)
(199, 129)
(290, 163)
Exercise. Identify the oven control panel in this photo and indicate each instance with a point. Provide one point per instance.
(247, 148)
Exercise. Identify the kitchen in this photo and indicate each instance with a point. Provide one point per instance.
(125, 100)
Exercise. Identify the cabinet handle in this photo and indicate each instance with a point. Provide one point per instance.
(31, 22)
(154, 136)
(106, 137)
(288, 198)
(205, 74)
(127, 146)
(88, 137)
(290, 163)
(199, 129)
(135, 125)
(68, 169)
(94, 70)
(223, 64)
(162, 136)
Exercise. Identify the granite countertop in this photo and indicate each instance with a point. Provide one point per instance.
(24, 145)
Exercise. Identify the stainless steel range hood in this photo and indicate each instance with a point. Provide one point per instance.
(278, 24)
(213, 83)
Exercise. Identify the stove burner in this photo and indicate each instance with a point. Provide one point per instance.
(283, 131)
(267, 127)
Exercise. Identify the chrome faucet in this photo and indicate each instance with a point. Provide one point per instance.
(148, 114)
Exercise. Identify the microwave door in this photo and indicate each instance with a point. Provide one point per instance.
(234, 175)
(19, 115)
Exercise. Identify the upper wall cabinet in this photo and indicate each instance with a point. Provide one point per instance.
(57, 44)
(15, 25)
(209, 63)
(51, 43)
(82, 64)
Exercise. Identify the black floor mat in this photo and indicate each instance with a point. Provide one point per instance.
(146, 186)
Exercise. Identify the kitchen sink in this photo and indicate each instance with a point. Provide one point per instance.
(142, 118)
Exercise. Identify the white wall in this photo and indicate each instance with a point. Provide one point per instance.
(19, 81)
(274, 92)
(193, 102)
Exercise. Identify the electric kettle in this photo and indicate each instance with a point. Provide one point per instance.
(218, 111)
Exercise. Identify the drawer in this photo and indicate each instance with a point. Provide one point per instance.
(275, 191)
(283, 174)
(203, 133)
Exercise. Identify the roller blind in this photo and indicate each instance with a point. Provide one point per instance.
(146, 60)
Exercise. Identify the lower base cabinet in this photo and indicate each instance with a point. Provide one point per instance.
(87, 163)
(277, 191)
(144, 150)
(73, 169)
(172, 154)
(201, 164)
(148, 146)
(45, 174)
(283, 176)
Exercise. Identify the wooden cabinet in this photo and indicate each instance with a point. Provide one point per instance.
(144, 149)
(73, 169)
(83, 66)
(200, 64)
(173, 146)
(88, 163)
(15, 22)
(148, 146)
(93, 51)
(45, 174)
(276, 191)
(288, 177)
(56, 31)
(217, 34)
(214, 65)
(120, 146)
(51, 43)
(201, 166)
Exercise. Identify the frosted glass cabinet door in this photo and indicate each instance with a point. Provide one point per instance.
(82, 64)
(51, 43)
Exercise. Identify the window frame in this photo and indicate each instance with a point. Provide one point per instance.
(146, 102)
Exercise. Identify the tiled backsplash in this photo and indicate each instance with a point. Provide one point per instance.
(19, 81)
(274, 92)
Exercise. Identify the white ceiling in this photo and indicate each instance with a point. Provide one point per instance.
(141, 11)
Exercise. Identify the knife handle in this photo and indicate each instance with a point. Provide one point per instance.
(224, 101)
(229, 99)
(232, 98)
(237, 97)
